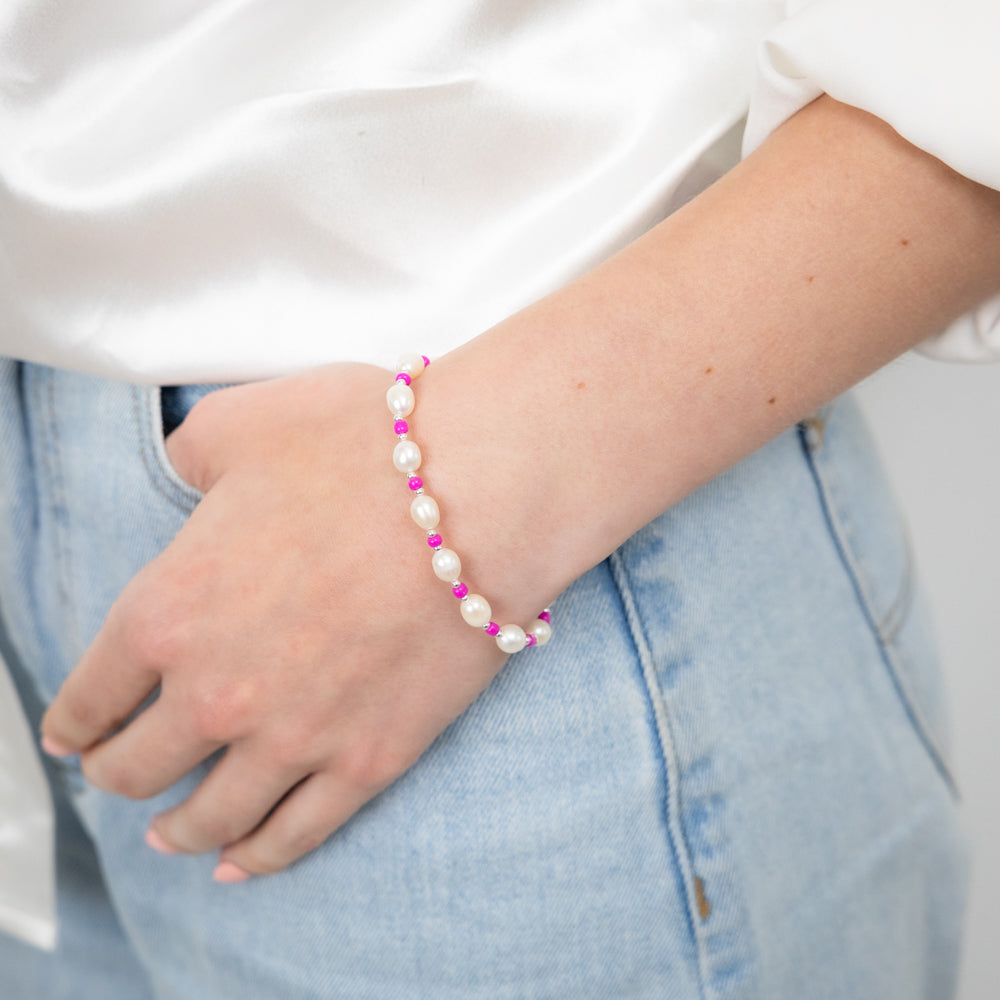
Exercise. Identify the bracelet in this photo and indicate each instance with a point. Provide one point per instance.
(424, 510)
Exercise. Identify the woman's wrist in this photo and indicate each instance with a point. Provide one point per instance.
(490, 499)
(407, 457)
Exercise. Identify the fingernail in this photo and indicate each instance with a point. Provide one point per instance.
(226, 871)
(154, 840)
(54, 748)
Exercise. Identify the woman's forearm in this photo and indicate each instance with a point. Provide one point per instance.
(834, 248)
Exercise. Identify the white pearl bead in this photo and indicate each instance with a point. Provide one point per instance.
(424, 510)
(476, 610)
(412, 364)
(400, 399)
(406, 456)
(541, 630)
(511, 638)
(447, 565)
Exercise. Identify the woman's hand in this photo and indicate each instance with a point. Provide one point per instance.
(294, 622)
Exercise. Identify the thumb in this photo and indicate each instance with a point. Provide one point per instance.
(190, 447)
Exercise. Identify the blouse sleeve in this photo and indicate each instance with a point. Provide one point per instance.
(927, 68)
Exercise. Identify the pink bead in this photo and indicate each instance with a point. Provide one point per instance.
(492, 629)
(426, 360)
(545, 616)
(460, 590)
(433, 541)
(403, 377)
(531, 640)
(415, 483)
(400, 426)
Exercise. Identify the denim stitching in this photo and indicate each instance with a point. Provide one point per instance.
(894, 619)
(671, 806)
(841, 534)
(46, 390)
(169, 490)
(23, 604)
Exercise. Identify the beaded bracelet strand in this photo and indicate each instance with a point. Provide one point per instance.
(424, 510)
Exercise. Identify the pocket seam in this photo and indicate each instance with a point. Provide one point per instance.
(162, 475)
(887, 629)
(895, 618)
(676, 838)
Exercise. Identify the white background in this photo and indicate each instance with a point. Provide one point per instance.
(938, 429)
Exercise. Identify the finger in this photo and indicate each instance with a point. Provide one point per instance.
(198, 449)
(154, 751)
(104, 689)
(303, 821)
(232, 801)
(184, 457)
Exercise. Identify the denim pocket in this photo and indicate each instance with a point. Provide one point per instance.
(158, 411)
(874, 549)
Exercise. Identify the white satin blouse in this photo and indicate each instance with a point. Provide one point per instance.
(216, 190)
(228, 189)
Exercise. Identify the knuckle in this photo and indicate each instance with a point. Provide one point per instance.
(114, 776)
(370, 766)
(288, 750)
(303, 842)
(260, 867)
(154, 634)
(219, 713)
(281, 850)
(84, 715)
(212, 830)
(266, 863)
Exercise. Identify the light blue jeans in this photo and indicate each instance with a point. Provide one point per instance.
(726, 777)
